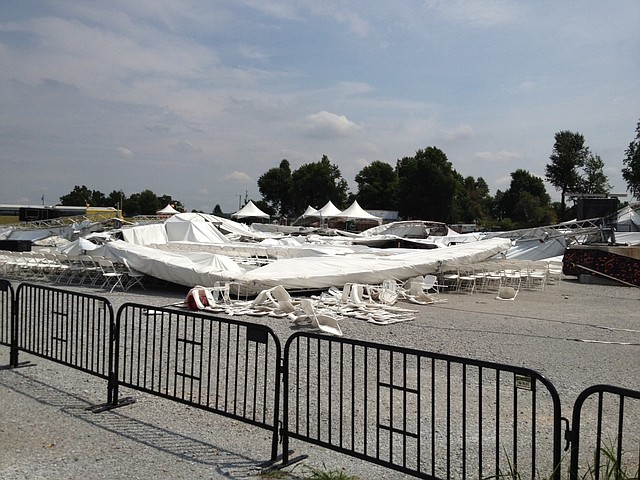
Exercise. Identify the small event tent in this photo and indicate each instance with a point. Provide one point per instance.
(168, 210)
(250, 211)
(356, 212)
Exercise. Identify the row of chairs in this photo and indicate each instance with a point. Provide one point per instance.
(488, 277)
(55, 267)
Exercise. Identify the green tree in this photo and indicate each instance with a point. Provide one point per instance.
(631, 170)
(473, 201)
(79, 197)
(377, 186)
(526, 202)
(116, 198)
(143, 203)
(569, 154)
(317, 183)
(595, 180)
(217, 210)
(275, 188)
(427, 186)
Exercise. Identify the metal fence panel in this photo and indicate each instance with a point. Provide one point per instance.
(425, 414)
(225, 366)
(7, 297)
(70, 328)
(606, 434)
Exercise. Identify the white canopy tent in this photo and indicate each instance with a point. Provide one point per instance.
(329, 210)
(250, 211)
(356, 212)
(168, 210)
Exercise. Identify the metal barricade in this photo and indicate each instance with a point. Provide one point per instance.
(224, 366)
(8, 320)
(605, 434)
(70, 328)
(425, 414)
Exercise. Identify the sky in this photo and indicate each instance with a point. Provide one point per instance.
(197, 99)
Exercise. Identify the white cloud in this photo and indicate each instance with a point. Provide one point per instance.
(125, 152)
(498, 157)
(326, 125)
(476, 13)
(238, 177)
(184, 146)
(459, 133)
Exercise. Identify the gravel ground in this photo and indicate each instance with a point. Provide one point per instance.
(575, 334)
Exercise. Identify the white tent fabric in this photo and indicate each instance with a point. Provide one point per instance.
(168, 210)
(145, 234)
(356, 212)
(329, 210)
(249, 211)
(193, 227)
(324, 272)
(311, 212)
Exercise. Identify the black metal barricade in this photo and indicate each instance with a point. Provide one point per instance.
(425, 414)
(225, 366)
(8, 319)
(70, 328)
(605, 437)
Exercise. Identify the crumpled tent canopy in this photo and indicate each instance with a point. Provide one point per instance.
(356, 212)
(168, 210)
(250, 210)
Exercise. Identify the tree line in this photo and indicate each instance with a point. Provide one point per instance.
(424, 186)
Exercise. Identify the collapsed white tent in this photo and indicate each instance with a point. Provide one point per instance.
(373, 268)
(250, 211)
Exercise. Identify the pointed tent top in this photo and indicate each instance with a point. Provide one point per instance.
(311, 212)
(329, 210)
(355, 211)
(168, 210)
(250, 210)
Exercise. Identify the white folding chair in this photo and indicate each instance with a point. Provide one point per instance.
(112, 277)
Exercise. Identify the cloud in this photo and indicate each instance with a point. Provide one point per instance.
(461, 132)
(238, 177)
(185, 146)
(497, 157)
(326, 125)
(476, 13)
(125, 152)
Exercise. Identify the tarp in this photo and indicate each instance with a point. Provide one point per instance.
(250, 211)
(356, 212)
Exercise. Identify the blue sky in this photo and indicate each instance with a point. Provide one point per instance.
(197, 99)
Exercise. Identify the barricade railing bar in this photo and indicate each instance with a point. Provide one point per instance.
(221, 365)
(605, 444)
(425, 414)
(8, 323)
(70, 328)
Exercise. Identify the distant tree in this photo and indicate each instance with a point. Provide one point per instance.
(631, 170)
(595, 180)
(143, 203)
(165, 200)
(81, 196)
(473, 201)
(526, 202)
(116, 199)
(427, 186)
(569, 154)
(317, 183)
(377, 186)
(217, 210)
(275, 188)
